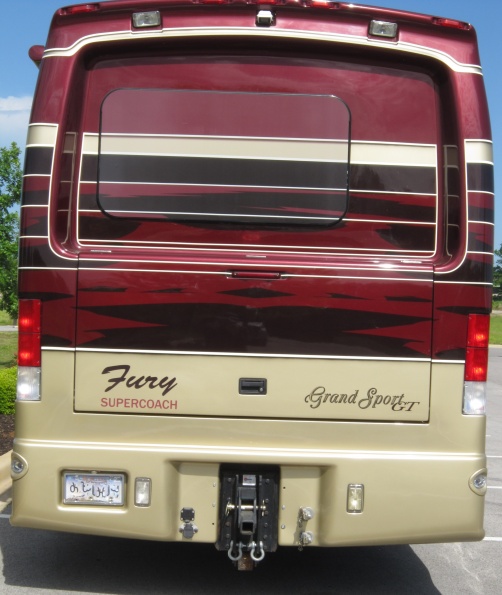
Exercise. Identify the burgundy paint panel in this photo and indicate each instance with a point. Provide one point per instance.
(197, 312)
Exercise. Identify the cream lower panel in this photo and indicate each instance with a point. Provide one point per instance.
(407, 499)
(295, 387)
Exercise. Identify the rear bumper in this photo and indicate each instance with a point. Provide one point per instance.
(408, 498)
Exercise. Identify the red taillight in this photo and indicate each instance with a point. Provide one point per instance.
(476, 356)
(322, 4)
(29, 352)
(476, 364)
(452, 24)
(80, 8)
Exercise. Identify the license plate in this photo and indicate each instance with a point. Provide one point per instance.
(96, 489)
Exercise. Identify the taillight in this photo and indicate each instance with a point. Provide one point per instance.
(29, 350)
(476, 364)
(476, 358)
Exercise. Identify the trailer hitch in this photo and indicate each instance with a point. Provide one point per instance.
(249, 510)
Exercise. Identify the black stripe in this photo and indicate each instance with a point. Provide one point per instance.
(475, 243)
(38, 160)
(480, 177)
(219, 172)
(39, 198)
(472, 270)
(35, 225)
(237, 206)
(250, 172)
(393, 178)
(89, 168)
(408, 237)
(479, 213)
(37, 253)
(388, 208)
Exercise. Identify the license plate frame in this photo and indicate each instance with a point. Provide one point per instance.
(94, 489)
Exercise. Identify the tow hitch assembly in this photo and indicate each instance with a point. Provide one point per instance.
(249, 511)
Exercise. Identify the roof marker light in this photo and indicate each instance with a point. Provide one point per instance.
(451, 23)
(146, 19)
(383, 29)
(322, 4)
(79, 9)
(265, 18)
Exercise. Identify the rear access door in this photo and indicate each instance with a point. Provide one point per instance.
(256, 245)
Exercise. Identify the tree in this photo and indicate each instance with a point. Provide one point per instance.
(497, 272)
(10, 196)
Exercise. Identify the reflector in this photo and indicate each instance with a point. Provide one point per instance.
(474, 398)
(28, 383)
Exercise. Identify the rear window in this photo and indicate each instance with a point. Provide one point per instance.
(247, 158)
(257, 152)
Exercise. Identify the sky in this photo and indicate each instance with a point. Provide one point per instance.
(18, 74)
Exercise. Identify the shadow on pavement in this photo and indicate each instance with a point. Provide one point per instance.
(58, 561)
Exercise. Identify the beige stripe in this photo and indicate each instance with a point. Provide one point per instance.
(261, 148)
(392, 154)
(239, 32)
(237, 148)
(42, 134)
(478, 151)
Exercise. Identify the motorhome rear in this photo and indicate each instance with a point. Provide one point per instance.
(255, 277)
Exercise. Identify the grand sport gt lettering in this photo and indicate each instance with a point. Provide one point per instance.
(151, 382)
(372, 399)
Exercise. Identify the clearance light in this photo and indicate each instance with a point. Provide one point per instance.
(322, 4)
(476, 364)
(142, 491)
(29, 350)
(80, 8)
(383, 29)
(329, 4)
(355, 498)
(146, 19)
(451, 23)
(265, 18)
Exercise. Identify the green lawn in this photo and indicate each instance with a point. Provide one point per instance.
(8, 349)
(496, 330)
(5, 319)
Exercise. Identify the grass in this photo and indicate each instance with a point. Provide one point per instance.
(496, 330)
(5, 319)
(8, 349)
